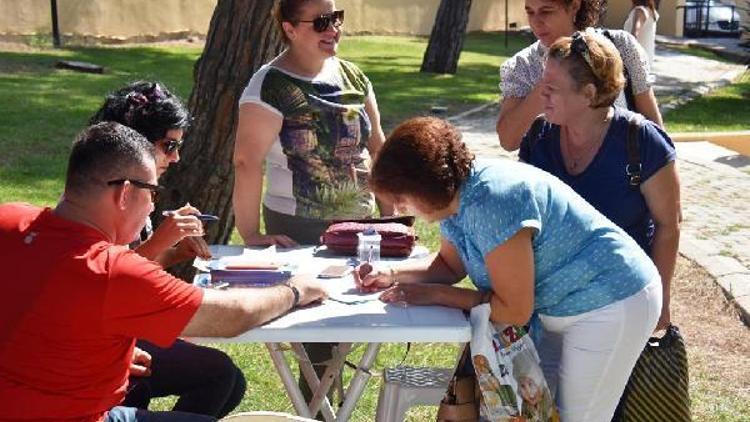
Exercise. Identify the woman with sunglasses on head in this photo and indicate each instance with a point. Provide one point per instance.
(205, 379)
(585, 141)
(521, 74)
(531, 246)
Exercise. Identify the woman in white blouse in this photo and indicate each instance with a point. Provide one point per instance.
(641, 22)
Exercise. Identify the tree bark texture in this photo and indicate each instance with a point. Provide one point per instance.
(242, 37)
(447, 37)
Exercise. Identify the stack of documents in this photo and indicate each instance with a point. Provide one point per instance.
(251, 269)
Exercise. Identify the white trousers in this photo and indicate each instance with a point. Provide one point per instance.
(587, 358)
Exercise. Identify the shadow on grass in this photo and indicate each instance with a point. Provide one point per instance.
(44, 107)
(724, 110)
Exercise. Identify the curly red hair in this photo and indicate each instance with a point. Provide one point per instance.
(424, 158)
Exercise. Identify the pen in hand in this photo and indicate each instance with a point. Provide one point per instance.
(201, 217)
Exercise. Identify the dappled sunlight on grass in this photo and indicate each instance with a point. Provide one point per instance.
(43, 108)
(725, 109)
(413, 93)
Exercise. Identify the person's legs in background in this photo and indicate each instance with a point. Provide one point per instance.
(597, 351)
(205, 379)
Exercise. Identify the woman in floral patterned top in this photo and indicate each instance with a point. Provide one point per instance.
(521, 75)
(314, 121)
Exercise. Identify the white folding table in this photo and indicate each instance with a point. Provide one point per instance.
(348, 317)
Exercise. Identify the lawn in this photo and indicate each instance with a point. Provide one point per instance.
(43, 108)
(725, 109)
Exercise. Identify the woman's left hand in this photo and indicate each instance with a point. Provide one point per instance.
(413, 294)
(664, 319)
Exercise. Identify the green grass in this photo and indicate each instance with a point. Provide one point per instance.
(43, 108)
(413, 93)
(725, 109)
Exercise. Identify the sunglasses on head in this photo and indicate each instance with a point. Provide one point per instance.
(171, 145)
(578, 45)
(322, 22)
(154, 189)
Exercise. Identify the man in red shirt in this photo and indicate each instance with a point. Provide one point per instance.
(76, 297)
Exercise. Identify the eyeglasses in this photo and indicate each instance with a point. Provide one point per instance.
(322, 22)
(155, 189)
(578, 45)
(171, 145)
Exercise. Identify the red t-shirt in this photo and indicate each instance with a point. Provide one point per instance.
(71, 306)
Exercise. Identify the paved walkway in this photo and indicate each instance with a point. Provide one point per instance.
(715, 181)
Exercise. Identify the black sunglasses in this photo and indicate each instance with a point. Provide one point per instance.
(155, 189)
(171, 145)
(578, 45)
(322, 22)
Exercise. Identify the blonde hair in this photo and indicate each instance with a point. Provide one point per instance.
(597, 63)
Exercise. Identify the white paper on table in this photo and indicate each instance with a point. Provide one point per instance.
(224, 255)
(347, 293)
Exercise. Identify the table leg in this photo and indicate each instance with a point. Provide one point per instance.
(319, 401)
(290, 383)
(358, 382)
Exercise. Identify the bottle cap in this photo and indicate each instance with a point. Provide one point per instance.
(370, 231)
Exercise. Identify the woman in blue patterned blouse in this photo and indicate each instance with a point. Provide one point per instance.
(531, 246)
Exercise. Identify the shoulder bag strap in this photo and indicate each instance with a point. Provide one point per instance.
(633, 168)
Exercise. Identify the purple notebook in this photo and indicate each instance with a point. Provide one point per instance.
(250, 278)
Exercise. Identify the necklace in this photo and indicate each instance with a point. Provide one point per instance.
(576, 159)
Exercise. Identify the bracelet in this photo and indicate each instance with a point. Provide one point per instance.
(295, 292)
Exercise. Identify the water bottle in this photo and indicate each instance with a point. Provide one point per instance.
(368, 245)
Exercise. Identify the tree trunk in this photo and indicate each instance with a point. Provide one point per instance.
(447, 37)
(242, 37)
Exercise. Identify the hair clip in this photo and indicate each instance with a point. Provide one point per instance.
(579, 45)
(155, 93)
(136, 98)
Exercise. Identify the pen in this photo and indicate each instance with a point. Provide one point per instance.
(201, 217)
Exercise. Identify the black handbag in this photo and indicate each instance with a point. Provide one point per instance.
(658, 386)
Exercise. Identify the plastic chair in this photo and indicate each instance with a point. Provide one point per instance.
(262, 416)
(406, 386)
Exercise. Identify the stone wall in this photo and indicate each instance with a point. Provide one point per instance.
(134, 20)
(143, 20)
